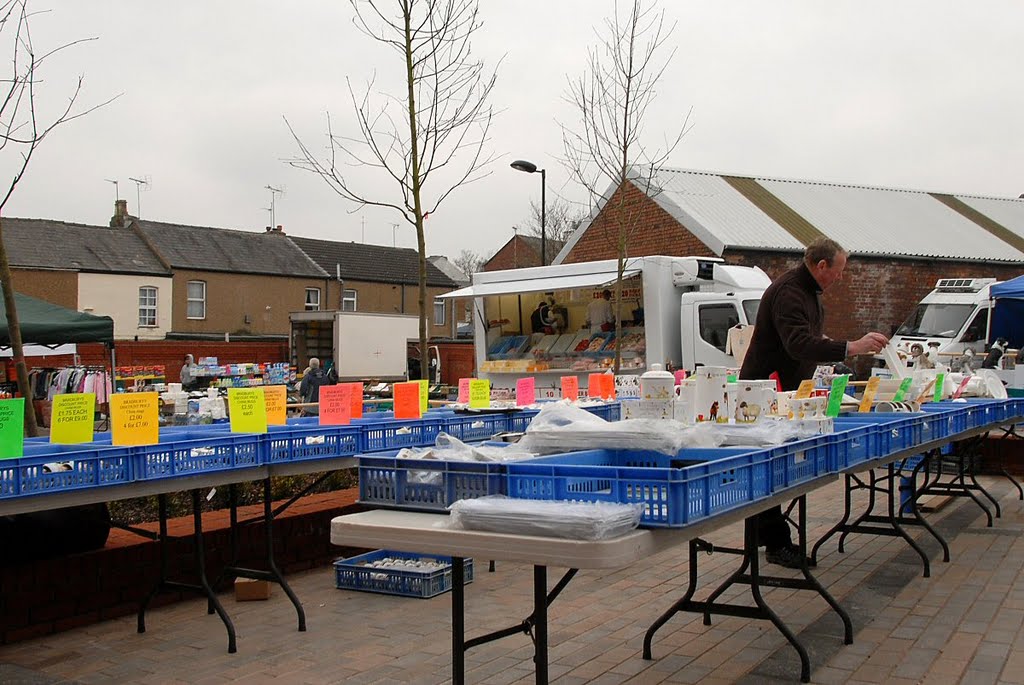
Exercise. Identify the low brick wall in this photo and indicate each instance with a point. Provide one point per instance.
(50, 596)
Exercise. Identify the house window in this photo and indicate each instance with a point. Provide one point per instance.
(196, 308)
(147, 306)
(312, 299)
(438, 312)
(348, 301)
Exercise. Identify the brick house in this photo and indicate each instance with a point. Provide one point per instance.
(521, 251)
(379, 279)
(95, 269)
(900, 242)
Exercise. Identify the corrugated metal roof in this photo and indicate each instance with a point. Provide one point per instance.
(890, 222)
(715, 212)
(1008, 213)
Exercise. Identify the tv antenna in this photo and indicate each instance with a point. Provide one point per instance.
(274, 192)
(140, 183)
(394, 229)
(117, 195)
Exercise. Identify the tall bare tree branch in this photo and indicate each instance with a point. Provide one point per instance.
(21, 132)
(427, 141)
(609, 150)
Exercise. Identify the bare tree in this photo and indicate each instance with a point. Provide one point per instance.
(607, 154)
(560, 220)
(469, 262)
(22, 130)
(428, 140)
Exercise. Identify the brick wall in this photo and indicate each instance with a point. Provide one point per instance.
(51, 596)
(170, 353)
(515, 254)
(656, 232)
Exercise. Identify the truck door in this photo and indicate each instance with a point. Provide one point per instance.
(711, 324)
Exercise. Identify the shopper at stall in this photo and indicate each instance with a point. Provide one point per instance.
(309, 389)
(599, 313)
(540, 319)
(789, 341)
(188, 381)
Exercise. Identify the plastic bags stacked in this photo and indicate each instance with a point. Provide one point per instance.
(559, 519)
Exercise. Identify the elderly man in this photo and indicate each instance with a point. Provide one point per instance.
(789, 341)
(309, 388)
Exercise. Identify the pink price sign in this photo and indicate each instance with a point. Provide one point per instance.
(526, 391)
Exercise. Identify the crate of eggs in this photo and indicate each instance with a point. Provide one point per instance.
(398, 573)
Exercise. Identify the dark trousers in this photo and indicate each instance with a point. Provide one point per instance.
(772, 529)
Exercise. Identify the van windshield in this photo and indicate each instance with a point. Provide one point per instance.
(936, 320)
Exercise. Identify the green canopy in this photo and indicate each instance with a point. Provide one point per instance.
(43, 323)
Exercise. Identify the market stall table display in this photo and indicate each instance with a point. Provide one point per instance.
(859, 450)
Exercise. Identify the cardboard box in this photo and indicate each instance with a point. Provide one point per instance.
(248, 590)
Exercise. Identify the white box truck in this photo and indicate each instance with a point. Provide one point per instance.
(362, 346)
(675, 311)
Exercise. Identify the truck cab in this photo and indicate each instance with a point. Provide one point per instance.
(955, 315)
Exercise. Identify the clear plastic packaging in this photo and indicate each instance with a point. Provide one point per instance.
(561, 427)
(449, 448)
(546, 518)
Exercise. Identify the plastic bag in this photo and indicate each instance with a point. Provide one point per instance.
(561, 427)
(449, 448)
(546, 518)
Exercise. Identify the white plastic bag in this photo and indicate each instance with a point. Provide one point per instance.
(546, 518)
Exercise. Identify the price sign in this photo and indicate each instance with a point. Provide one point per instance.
(275, 397)
(464, 390)
(72, 419)
(335, 405)
(570, 388)
(526, 391)
(869, 394)
(407, 400)
(12, 428)
(835, 396)
(479, 394)
(248, 410)
(134, 418)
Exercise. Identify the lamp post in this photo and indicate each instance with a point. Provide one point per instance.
(530, 168)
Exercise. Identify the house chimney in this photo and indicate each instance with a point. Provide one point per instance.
(120, 218)
(276, 229)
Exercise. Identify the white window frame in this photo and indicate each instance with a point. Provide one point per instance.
(439, 321)
(312, 306)
(149, 308)
(349, 300)
(189, 300)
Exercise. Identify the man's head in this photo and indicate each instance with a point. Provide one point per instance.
(825, 259)
(607, 294)
(314, 363)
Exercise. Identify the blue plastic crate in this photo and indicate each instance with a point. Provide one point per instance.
(674, 491)
(379, 436)
(353, 574)
(307, 441)
(426, 484)
(935, 426)
(955, 415)
(519, 421)
(803, 460)
(475, 427)
(191, 453)
(91, 466)
(611, 411)
(861, 442)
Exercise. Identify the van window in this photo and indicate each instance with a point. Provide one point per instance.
(977, 329)
(715, 320)
(936, 320)
(750, 308)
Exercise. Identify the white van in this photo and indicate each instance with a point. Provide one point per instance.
(955, 315)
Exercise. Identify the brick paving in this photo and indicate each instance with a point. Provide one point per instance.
(962, 625)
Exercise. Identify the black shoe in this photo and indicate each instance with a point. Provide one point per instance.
(788, 556)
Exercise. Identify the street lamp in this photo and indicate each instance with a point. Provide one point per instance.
(531, 168)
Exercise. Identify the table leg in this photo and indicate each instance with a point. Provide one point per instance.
(540, 616)
(458, 621)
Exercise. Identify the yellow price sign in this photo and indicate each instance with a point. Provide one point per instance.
(805, 390)
(424, 394)
(869, 394)
(72, 419)
(479, 393)
(248, 410)
(135, 418)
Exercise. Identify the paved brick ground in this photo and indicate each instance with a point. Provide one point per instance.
(964, 624)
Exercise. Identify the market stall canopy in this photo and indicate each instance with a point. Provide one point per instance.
(1008, 311)
(533, 285)
(43, 323)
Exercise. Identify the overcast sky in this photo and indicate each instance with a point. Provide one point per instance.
(920, 94)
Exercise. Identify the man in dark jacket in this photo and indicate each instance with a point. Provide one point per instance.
(789, 340)
(309, 388)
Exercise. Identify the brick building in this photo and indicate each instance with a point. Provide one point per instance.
(521, 251)
(900, 242)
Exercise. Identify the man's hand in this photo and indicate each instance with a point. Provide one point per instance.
(871, 343)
